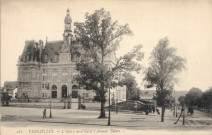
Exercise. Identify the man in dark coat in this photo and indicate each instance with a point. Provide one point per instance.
(44, 113)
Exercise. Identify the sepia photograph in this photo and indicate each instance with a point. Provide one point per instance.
(113, 67)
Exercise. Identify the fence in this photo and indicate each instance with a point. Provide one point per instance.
(56, 103)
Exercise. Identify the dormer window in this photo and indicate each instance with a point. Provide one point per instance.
(56, 58)
(27, 57)
(45, 57)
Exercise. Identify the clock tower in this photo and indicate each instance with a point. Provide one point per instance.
(67, 35)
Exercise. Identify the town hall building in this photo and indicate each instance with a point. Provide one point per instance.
(47, 70)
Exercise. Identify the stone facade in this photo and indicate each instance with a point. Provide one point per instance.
(47, 71)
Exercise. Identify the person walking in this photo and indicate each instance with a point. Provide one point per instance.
(44, 113)
(153, 109)
(158, 111)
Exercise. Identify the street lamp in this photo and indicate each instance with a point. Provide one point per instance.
(109, 102)
(50, 107)
(172, 88)
(109, 106)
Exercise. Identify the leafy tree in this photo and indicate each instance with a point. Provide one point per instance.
(133, 92)
(191, 98)
(164, 98)
(181, 99)
(99, 37)
(206, 99)
(164, 65)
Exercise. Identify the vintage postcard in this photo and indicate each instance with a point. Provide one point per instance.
(75, 67)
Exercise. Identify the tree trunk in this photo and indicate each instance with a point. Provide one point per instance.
(162, 113)
(102, 111)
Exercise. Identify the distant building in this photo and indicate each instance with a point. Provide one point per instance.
(2, 89)
(48, 70)
(119, 93)
(149, 94)
(10, 86)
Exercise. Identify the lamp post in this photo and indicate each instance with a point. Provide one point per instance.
(172, 88)
(109, 106)
(109, 103)
(174, 103)
(50, 107)
(183, 114)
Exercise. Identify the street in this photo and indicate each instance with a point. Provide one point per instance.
(66, 121)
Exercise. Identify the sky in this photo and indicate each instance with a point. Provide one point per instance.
(186, 23)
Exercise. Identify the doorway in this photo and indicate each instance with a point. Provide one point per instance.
(74, 91)
(54, 91)
(74, 94)
(64, 91)
(54, 94)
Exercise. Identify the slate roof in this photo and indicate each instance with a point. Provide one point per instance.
(31, 51)
(52, 50)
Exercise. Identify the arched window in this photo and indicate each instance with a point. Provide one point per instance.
(74, 91)
(74, 87)
(64, 91)
(54, 87)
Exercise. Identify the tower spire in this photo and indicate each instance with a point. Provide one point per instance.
(68, 21)
(67, 35)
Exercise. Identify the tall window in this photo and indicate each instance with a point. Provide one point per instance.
(44, 74)
(45, 86)
(44, 95)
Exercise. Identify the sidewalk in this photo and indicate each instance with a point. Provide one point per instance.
(85, 118)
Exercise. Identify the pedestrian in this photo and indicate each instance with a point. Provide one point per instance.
(147, 112)
(190, 110)
(157, 110)
(153, 109)
(44, 113)
(182, 109)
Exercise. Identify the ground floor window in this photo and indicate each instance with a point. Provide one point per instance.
(64, 91)
(54, 94)
(74, 94)
(44, 95)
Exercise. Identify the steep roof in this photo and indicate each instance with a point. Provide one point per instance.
(51, 51)
(31, 50)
